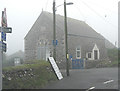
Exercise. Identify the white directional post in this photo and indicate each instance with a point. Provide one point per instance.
(3, 31)
(0, 69)
(1, 60)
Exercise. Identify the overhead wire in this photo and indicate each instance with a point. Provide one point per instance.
(46, 5)
(108, 9)
(96, 13)
(80, 13)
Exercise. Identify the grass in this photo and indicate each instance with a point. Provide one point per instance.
(28, 76)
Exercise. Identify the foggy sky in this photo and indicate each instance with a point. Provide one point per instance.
(101, 15)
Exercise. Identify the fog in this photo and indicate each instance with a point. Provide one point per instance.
(101, 15)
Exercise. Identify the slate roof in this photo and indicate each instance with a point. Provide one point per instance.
(90, 47)
(75, 27)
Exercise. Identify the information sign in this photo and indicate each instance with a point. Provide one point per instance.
(55, 67)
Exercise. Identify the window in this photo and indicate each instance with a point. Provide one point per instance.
(89, 55)
(78, 53)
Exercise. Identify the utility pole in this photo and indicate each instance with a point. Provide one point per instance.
(54, 31)
(66, 44)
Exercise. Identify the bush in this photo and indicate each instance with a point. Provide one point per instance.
(113, 54)
(28, 76)
(113, 57)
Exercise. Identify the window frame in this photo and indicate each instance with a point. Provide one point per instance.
(90, 55)
(78, 49)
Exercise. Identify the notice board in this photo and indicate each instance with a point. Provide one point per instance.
(55, 67)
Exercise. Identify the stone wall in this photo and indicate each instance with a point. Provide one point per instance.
(87, 64)
(96, 63)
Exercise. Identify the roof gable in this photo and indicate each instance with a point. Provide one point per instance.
(89, 47)
(95, 47)
(74, 26)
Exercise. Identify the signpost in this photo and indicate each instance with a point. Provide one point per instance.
(55, 67)
(6, 29)
(3, 30)
(0, 70)
(3, 48)
(55, 42)
(3, 36)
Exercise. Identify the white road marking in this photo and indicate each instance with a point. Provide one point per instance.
(108, 81)
(90, 88)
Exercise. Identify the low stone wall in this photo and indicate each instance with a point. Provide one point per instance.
(96, 63)
(91, 63)
(87, 64)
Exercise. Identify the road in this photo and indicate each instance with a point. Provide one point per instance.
(97, 78)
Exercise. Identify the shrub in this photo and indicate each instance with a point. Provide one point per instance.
(33, 75)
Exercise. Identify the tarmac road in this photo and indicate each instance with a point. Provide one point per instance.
(97, 78)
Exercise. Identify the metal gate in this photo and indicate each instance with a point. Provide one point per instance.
(77, 64)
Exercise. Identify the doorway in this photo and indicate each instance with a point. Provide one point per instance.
(95, 54)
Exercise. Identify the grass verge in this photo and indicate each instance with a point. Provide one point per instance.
(28, 76)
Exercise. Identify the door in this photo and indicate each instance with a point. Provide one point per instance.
(95, 54)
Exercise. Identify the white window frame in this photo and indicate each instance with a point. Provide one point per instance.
(98, 52)
(78, 50)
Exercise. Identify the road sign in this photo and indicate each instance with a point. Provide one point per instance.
(55, 67)
(6, 29)
(3, 46)
(0, 45)
(55, 42)
(3, 36)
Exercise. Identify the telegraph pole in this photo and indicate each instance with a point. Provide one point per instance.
(66, 43)
(54, 31)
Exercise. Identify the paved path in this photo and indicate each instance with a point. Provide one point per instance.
(100, 78)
